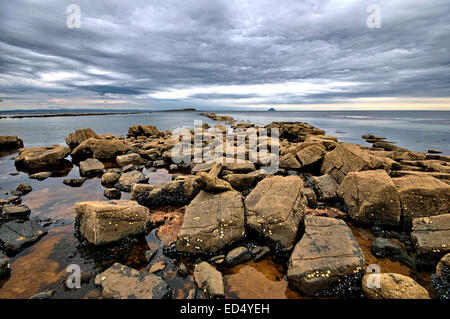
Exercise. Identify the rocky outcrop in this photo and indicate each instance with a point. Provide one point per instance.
(75, 139)
(122, 282)
(371, 197)
(422, 196)
(104, 150)
(346, 158)
(8, 143)
(211, 222)
(144, 130)
(103, 222)
(274, 209)
(392, 286)
(37, 158)
(91, 167)
(326, 255)
(209, 280)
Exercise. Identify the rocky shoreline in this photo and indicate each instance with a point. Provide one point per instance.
(229, 209)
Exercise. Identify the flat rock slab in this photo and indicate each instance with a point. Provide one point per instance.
(392, 286)
(371, 197)
(274, 209)
(103, 222)
(212, 222)
(15, 236)
(122, 282)
(36, 158)
(431, 236)
(91, 167)
(326, 254)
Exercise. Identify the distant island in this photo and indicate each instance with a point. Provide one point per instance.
(181, 110)
(271, 110)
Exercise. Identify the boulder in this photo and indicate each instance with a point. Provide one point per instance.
(383, 247)
(311, 154)
(129, 178)
(24, 188)
(422, 196)
(392, 286)
(211, 222)
(112, 193)
(441, 279)
(110, 178)
(274, 209)
(103, 222)
(101, 149)
(41, 176)
(237, 256)
(326, 255)
(14, 236)
(15, 212)
(91, 167)
(346, 158)
(289, 161)
(240, 167)
(75, 139)
(74, 182)
(240, 182)
(122, 282)
(310, 196)
(431, 237)
(209, 280)
(212, 184)
(144, 130)
(133, 158)
(326, 187)
(371, 197)
(8, 143)
(36, 158)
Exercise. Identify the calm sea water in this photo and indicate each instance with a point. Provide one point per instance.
(415, 130)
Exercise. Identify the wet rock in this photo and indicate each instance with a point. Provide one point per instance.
(371, 197)
(179, 192)
(46, 294)
(211, 222)
(441, 279)
(127, 159)
(91, 167)
(431, 237)
(8, 143)
(110, 178)
(240, 182)
(377, 231)
(183, 271)
(149, 254)
(263, 253)
(15, 212)
(274, 209)
(237, 256)
(144, 130)
(41, 176)
(36, 158)
(5, 268)
(24, 188)
(122, 282)
(157, 266)
(326, 187)
(103, 222)
(11, 200)
(75, 139)
(101, 149)
(392, 286)
(326, 254)
(129, 178)
(422, 196)
(311, 154)
(112, 193)
(74, 182)
(383, 247)
(346, 158)
(14, 236)
(212, 184)
(311, 197)
(209, 280)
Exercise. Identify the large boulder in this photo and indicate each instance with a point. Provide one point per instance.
(104, 150)
(211, 222)
(274, 209)
(326, 255)
(91, 167)
(37, 158)
(75, 139)
(144, 130)
(346, 158)
(129, 178)
(422, 196)
(102, 222)
(371, 197)
(209, 280)
(392, 286)
(431, 237)
(8, 143)
(122, 282)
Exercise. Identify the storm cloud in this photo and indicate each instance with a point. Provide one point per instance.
(222, 54)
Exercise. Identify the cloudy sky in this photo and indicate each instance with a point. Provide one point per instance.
(235, 54)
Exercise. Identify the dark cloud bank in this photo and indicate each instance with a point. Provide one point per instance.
(206, 54)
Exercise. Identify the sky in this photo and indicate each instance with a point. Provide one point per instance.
(225, 55)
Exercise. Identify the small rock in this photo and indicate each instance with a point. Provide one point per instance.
(112, 193)
(41, 176)
(326, 187)
(91, 167)
(4, 266)
(265, 252)
(310, 195)
(127, 179)
(74, 182)
(183, 271)
(173, 167)
(43, 295)
(209, 280)
(110, 178)
(392, 286)
(24, 189)
(16, 212)
(157, 266)
(237, 256)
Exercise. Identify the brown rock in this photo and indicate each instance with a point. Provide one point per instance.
(91, 167)
(311, 154)
(124, 160)
(326, 187)
(392, 286)
(10, 143)
(75, 139)
(209, 280)
(35, 158)
(144, 130)
(431, 236)
(101, 149)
